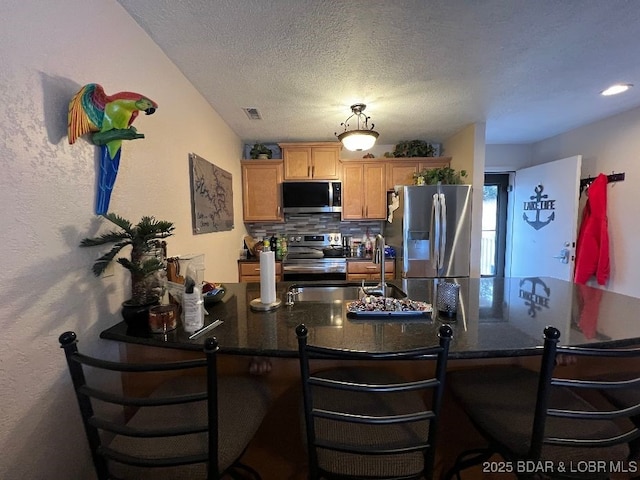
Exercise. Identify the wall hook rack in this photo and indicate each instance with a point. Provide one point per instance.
(585, 182)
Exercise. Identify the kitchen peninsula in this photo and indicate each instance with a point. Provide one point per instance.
(497, 317)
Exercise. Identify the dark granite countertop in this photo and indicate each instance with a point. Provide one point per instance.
(368, 258)
(496, 318)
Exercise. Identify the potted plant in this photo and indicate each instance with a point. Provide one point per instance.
(144, 263)
(414, 148)
(442, 175)
(260, 151)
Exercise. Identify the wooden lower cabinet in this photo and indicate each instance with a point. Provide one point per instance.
(364, 270)
(250, 272)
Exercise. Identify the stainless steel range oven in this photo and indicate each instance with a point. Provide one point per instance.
(314, 257)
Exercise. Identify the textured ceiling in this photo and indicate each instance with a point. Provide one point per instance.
(530, 69)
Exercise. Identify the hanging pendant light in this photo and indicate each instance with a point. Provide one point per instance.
(362, 137)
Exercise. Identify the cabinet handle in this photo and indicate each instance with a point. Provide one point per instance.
(366, 211)
(308, 171)
(278, 211)
(313, 171)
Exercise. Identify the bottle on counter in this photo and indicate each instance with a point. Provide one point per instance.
(266, 246)
(273, 242)
(368, 244)
(192, 303)
(278, 248)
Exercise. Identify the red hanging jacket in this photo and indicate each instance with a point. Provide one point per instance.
(592, 249)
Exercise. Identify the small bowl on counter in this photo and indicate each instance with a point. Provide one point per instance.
(213, 293)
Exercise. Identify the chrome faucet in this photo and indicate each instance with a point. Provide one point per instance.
(378, 257)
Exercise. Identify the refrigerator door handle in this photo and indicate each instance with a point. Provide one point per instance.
(434, 234)
(443, 232)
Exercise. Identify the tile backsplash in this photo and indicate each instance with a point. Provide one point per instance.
(317, 223)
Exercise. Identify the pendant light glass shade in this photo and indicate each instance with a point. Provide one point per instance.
(362, 137)
(357, 140)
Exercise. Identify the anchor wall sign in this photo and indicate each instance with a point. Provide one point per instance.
(540, 203)
(536, 297)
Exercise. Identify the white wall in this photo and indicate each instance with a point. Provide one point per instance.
(507, 158)
(610, 145)
(48, 50)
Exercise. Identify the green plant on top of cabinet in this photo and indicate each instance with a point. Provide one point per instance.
(445, 176)
(260, 150)
(311, 161)
(364, 193)
(261, 185)
(403, 171)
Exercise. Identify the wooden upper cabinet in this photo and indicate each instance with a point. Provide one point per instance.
(352, 191)
(375, 193)
(261, 191)
(311, 161)
(400, 171)
(364, 194)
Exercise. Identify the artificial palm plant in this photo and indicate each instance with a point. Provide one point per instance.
(143, 263)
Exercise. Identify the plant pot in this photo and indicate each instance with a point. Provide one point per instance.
(137, 316)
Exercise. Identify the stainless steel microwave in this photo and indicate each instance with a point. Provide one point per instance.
(312, 197)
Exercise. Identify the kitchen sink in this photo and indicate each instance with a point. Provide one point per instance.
(328, 292)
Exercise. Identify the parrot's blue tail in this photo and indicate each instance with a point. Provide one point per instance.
(106, 179)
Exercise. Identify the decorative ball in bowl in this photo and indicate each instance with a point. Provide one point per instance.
(212, 293)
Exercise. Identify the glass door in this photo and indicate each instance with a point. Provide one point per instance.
(494, 224)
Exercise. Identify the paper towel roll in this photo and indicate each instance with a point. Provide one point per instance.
(267, 277)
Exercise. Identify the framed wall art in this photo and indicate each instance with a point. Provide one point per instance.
(211, 196)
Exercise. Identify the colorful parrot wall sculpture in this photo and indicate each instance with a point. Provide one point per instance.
(109, 117)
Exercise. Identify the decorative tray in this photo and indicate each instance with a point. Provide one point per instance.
(371, 306)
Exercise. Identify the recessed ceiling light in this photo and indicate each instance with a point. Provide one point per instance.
(615, 89)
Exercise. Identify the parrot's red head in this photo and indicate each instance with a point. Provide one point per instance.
(143, 103)
(146, 105)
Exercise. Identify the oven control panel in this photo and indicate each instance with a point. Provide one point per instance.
(315, 240)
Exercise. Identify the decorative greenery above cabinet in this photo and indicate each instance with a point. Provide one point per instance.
(402, 171)
(311, 161)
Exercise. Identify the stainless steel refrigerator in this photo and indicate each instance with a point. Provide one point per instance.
(430, 230)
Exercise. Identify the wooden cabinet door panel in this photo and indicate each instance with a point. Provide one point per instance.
(311, 161)
(352, 192)
(297, 163)
(401, 173)
(375, 191)
(324, 163)
(250, 272)
(261, 184)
